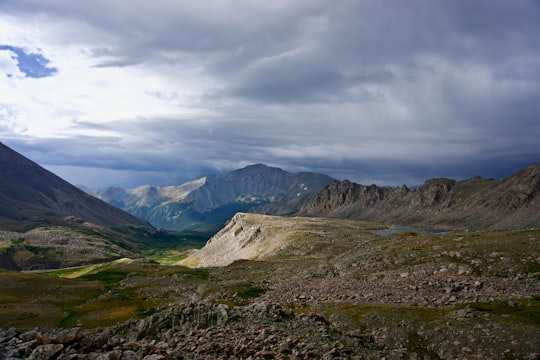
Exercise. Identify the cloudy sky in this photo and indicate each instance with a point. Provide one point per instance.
(391, 92)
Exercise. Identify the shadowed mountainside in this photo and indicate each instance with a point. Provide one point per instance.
(45, 222)
(476, 203)
(31, 195)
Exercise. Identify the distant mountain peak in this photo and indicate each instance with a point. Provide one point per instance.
(257, 168)
(207, 203)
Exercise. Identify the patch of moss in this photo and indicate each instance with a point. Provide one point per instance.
(65, 273)
(523, 311)
(533, 268)
(359, 312)
(202, 274)
(419, 345)
(252, 292)
(166, 257)
(106, 276)
(109, 307)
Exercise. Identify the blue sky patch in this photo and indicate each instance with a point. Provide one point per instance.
(31, 64)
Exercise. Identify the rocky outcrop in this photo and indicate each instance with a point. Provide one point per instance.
(246, 236)
(195, 331)
(475, 203)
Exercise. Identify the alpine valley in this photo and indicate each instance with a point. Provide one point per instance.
(299, 266)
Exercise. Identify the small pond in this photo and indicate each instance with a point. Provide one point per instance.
(398, 229)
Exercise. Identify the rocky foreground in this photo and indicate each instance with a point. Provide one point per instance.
(258, 331)
(197, 331)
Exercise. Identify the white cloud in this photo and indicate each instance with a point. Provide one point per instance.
(9, 65)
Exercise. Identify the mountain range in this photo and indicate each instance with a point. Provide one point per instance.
(47, 222)
(205, 204)
(475, 203)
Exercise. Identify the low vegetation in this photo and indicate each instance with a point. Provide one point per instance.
(417, 294)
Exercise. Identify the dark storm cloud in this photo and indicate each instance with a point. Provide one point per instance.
(376, 91)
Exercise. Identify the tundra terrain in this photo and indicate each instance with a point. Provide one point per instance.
(328, 288)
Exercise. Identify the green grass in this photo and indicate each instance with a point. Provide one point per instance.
(71, 272)
(106, 276)
(166, 257)
(367, 315)
(533, 268)
(251, 292)
(30, 300)
(108, 308)
(522, 311)
(79, 271)
(419, 345)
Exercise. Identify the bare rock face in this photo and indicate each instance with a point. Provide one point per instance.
(475, 203)
(433, 192)
(246, 236)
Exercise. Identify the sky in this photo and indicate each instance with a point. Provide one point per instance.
(387, 92)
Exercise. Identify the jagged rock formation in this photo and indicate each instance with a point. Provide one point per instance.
(196, 331)
(476, 203)
(207, 203)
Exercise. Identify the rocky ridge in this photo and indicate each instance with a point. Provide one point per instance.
(476, 203)
(195, 331)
